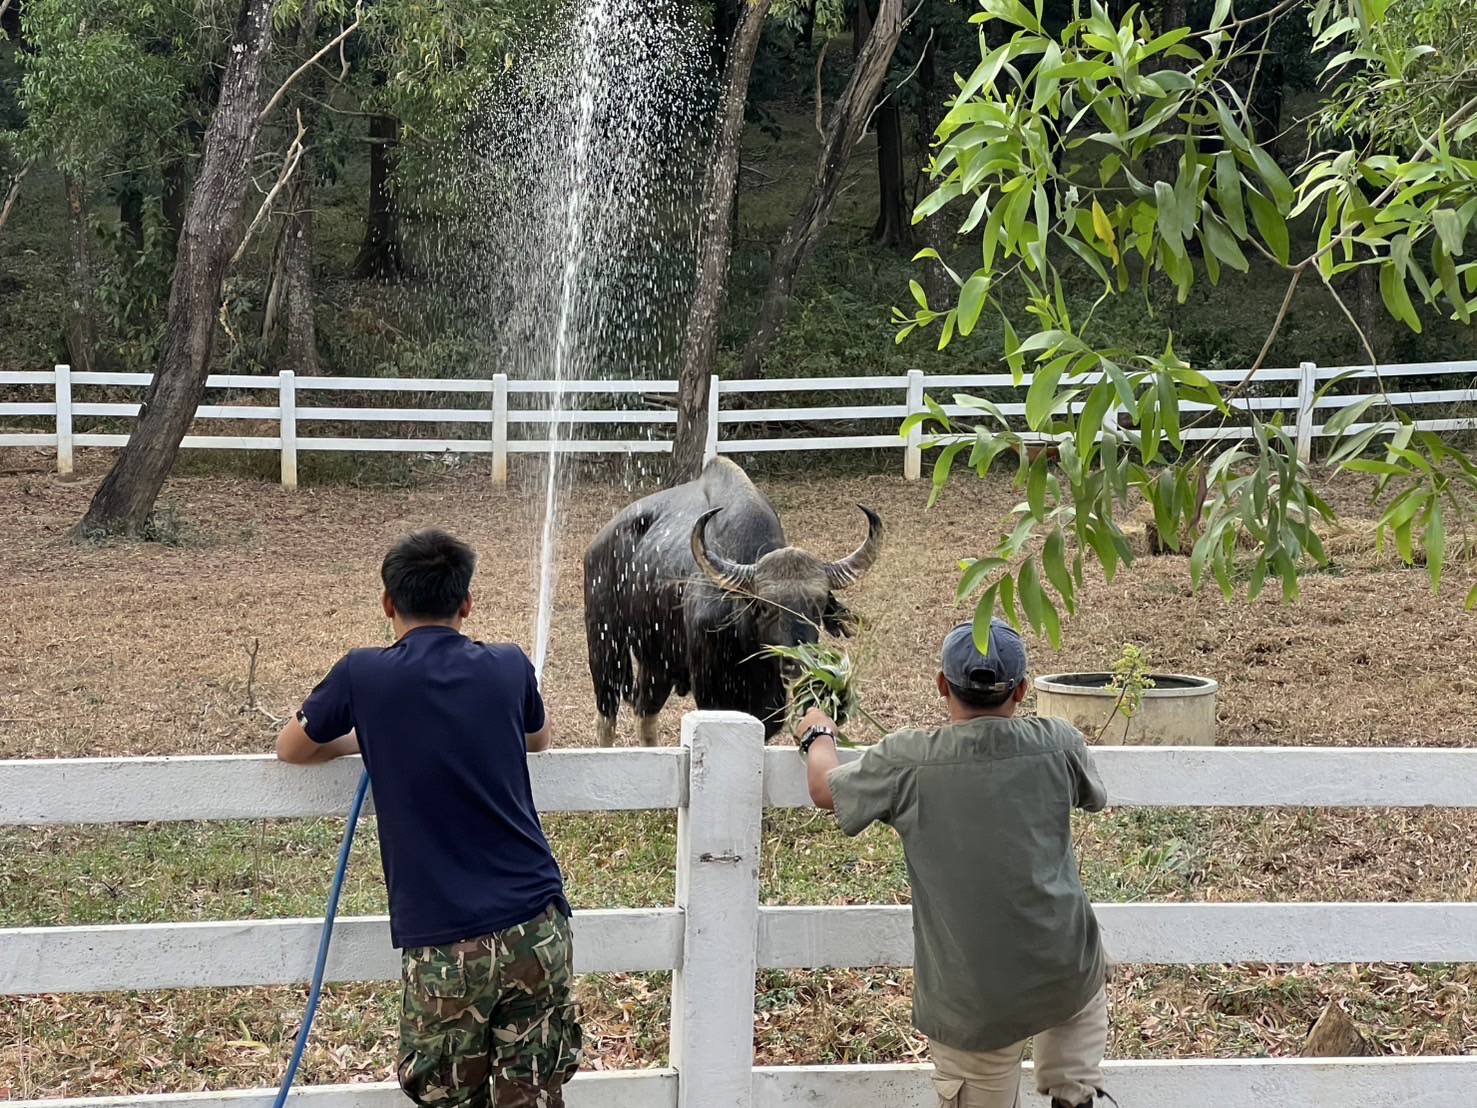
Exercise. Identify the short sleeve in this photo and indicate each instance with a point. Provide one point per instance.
(1092, 796)
(533, 702)
(328, 713)
(863, 790)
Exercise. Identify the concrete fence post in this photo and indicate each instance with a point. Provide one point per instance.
(500, 429)
(287, 425)
(711, 450)
(718, 843)
(1307, 389)
(64, 420)
(913, 453)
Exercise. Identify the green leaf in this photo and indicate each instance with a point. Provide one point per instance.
(1054, 561)
(941, 468)
(975, 573)
(1269, 224)
(1435, 544)
(1222, 244)
(1271, 173)
(1228, 192)
(1219, 16)
(972, 301)
(1036, 486)
(984, 614)
(1452, 229)
(1472, 599)
(1033, 597)
(1169, 410)
(1013, 355)
(919, 295)
(1397, 297)
(1041, 396)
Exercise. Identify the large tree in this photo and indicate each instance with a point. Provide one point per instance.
(1404, 209)
(212, 231)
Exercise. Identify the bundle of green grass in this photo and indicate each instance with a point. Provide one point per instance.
(825, 679)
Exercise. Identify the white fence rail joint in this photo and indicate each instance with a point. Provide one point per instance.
(729, 430)
(717, 935)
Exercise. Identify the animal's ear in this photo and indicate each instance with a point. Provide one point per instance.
(837, 618)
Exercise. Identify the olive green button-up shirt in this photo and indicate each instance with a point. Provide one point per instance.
(1005, 941)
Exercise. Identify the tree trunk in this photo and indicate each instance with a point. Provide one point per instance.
(81, 315)
(290, 298)
(848, 123)
(715, 243)
(212, 231)
(936, 282)
(176, 192)
(1369, 309)
(131, 211)
(382, 255)
(892, 227)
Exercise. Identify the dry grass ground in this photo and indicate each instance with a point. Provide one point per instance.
(129, 649)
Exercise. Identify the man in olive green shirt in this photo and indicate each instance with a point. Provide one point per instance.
(1006, 946)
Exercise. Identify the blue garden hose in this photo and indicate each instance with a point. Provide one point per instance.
(323, 941)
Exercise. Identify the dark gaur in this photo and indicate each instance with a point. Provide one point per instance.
(685, 588)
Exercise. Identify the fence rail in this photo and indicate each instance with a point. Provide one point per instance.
(739, 418)
(717, 935)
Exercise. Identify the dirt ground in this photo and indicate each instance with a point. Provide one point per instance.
(131, 649)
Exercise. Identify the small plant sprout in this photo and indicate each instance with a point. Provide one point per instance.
(1131, 678)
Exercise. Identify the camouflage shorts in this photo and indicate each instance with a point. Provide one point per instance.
(491, 1021)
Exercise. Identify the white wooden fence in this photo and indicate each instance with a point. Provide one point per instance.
(499, 405)
(718, 934)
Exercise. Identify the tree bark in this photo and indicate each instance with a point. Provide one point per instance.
(935, 232)
(290, 298)
(715, 244)
(81, 305)
(382, 255)
(212, 230)
(848, 123)
(893, 227)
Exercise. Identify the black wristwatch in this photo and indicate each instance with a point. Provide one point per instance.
(819, 731)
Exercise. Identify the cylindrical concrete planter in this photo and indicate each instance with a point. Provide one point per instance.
(1178, 711)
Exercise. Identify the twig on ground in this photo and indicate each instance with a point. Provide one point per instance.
(251, 705)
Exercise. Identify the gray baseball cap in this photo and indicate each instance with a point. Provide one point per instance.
(992, 674)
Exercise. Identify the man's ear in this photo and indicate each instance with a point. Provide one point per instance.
(943, 684)
(1018, 693)
(466, 609)
(387, 604)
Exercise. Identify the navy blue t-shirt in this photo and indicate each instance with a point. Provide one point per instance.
(442, 724)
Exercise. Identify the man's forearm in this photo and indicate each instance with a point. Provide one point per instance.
(819, 763)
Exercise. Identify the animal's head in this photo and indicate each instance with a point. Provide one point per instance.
(790, 593)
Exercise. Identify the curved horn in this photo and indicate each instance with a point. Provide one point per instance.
(849, 570)
(732, 576)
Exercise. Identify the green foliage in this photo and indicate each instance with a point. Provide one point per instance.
(1050, 148)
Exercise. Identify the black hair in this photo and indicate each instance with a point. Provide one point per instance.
(428, 574)
(971, 699)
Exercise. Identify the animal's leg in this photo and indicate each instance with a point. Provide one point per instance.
(653, 687)
(605, 730)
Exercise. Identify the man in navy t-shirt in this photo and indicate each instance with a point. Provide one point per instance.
(476, 898)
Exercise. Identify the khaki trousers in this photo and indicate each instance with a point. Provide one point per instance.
(1068, 1061)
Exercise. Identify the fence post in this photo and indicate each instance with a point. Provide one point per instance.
(287, 425)
(718, 841)
(1307, 389)
(711, 450)
(500, 429)
(913, 455)
(64, 420)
